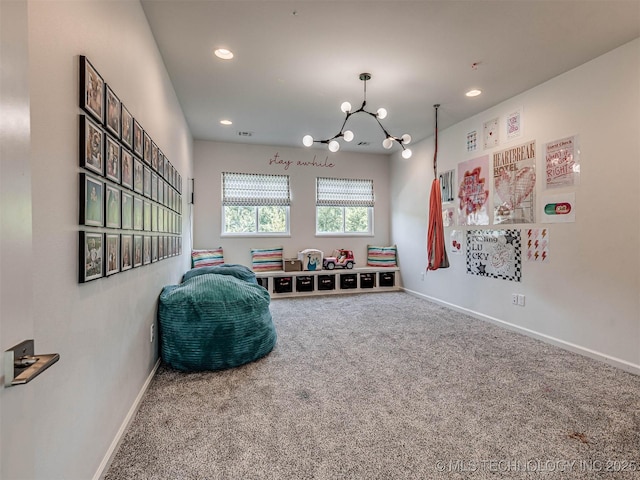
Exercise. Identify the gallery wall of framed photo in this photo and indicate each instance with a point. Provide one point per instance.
(130, 194)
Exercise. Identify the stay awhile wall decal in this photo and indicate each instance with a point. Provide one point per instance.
(277, 161)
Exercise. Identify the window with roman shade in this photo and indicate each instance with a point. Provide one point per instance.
(344, 206)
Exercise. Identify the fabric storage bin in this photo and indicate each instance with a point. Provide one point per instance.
(304, 283)
(367, 280)
(387, 279)
(348, 280)
(282, 284)
(263, 282)
(326, 282)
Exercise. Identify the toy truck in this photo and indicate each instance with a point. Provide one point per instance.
(339, 259)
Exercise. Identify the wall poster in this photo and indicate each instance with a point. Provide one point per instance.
(495, 254)
(560, 208)
(455, 244)
(472, 141)
(538, 245)
(514, 124)
(491, 133)
(447, 184)
(448, 216)
(473, 192)
(562, 160)
(514, 181)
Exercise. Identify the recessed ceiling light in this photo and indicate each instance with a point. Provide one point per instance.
(226, 122)
(223, 53)
(473, 93)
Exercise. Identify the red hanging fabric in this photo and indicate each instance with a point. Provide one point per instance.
(436, 253)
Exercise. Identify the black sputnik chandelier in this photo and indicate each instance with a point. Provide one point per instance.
(347, 135)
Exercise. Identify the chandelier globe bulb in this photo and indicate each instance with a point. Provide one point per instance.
(406, 139)
(387, 143)
(348, 136)
(406, 153)
(345, 107)
(334, 146)
(382, 113)
(307, 140)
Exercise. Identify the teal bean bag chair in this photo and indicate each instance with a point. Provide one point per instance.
(215, 319)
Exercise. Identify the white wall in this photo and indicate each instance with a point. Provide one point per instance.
(100, 329)
(213, 158)
(587, 296)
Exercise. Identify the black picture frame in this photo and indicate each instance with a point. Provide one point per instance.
(160, 190)
(147, 149)
(91, 90)
(154, 186)
(126, 160)
(146, 250)
(90, 258)
(126, 252)
(138, 176)
(138, 221)
(154, 217)
(112, 159)
(154, 249)
(166, 169)
(127, 128)
(161, 248)
(112, 257)
(146, 208)
(137, 251)
(91, 201)
(91, 145)
(146, 184)
(112, 206)
(154, 156)
(160, 163)
(138, 135)
(127, 211)
(113, 112)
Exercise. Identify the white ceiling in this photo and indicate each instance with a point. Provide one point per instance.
(297, 61)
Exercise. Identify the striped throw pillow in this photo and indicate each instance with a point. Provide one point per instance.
(207, 258)
(381, 256)
(266, 259)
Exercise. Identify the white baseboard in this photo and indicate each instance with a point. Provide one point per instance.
(613, 361)
(113, 448)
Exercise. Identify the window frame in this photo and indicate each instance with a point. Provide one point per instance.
(256, 205)
(361, 199)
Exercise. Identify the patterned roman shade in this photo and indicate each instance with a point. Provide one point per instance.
(344, 192)
(255, 189)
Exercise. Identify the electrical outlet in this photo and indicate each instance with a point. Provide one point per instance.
(422, 276)
(514, 299)
(521, 300)
(152, 335)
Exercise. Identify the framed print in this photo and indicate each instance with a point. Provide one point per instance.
(160, 248)
(137, 251)
(146, 182)
(91, 145)
(126, 159)
(112, 242)
(146, 250)
(166, 168)
(138, 133)
(91, 90)
(179, 183)
(126, 242)
(127, 128)
(127, 211)
(154, 186)
(112, 207)
(161, 219)
(138, 176)
(154, 249)
(112, 156)
(160, 190)
(90, 258)
(160, 163)
(137, 213)
(165, 196)
(154, 218)
(147, 148)
(91, 201)
(154, 156)
(147, 215)
(179, 245)
(113, 111)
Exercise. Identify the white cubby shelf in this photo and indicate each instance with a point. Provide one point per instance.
(281, 284)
